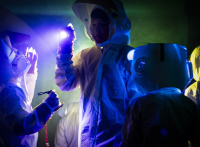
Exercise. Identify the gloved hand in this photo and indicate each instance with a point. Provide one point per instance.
(32, 56)
(66, 38)
(53, 101)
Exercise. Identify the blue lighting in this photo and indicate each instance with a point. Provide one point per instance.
(164, 132)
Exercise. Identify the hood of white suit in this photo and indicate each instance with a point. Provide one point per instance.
(120, 25)
(159, 65)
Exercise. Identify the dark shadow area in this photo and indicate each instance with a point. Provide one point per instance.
(192, 10)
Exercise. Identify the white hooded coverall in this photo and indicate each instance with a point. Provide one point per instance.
(103, 111)
(67, 129)
(24, 123)
(103, 80)
(162, 116)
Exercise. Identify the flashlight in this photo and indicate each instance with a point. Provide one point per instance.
(63, 34)
(48, 92)
(66, 37)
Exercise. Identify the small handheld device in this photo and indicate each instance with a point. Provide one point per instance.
(48, 92)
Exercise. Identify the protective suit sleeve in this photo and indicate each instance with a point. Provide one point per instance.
(67, 74)
(34, 121)
(60, 139)
(14, 108)
(30, 84)
(131, 130)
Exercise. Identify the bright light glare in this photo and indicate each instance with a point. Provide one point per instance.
(130, 55)
(63, 34)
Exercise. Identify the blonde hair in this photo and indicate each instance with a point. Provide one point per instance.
(195, 59)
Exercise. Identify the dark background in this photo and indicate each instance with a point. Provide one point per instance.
(155, 21)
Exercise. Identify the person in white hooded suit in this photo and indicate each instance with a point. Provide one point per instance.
(19, 122)
(102, 71)
(162, 116)
(67, 129)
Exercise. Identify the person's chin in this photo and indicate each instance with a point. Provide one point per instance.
(99, 41)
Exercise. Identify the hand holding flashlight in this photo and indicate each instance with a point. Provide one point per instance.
(66, 38)
(52, 100)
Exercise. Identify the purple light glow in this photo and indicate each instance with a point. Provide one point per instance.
(63, 34)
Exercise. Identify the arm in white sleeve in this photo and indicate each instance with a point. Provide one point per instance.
(21, 121)
(67, 74)
(34, 121)
(30, 84)
(27, 83)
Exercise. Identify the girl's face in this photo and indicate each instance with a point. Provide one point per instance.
(100, 30)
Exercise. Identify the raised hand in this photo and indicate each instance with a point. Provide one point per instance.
(32, 56)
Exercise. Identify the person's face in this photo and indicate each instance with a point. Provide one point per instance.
(100, 30)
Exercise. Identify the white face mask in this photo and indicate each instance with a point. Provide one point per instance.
(13, 62)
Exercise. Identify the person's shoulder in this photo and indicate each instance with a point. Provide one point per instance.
(11, 89)
(72, 111)
(9, 86)
(149, 97)
(83, 52)
(86, 49)
(142, 98)
(146, 96)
